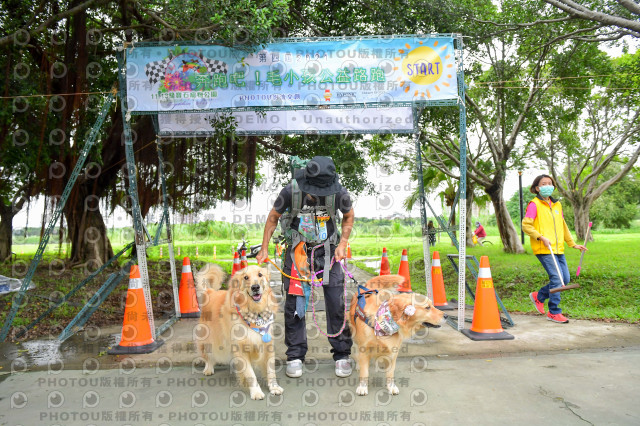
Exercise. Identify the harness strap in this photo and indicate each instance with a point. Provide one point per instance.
(327, 261)
(330, 202)
(296, 199)
(359, 311)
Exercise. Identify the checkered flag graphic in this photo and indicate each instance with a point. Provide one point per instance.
(214, 66)
(155, 70)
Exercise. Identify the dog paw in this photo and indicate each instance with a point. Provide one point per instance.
(208, 370)
(393, 389)
(274, 389)
(256, 393)
(362, 390)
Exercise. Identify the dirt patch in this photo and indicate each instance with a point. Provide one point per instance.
(53, 283)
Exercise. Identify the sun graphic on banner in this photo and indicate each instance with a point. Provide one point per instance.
(424, 66)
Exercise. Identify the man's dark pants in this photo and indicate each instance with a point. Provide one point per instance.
(295, 336)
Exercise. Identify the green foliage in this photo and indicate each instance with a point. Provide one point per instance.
(77, 54)
(259, 20)
(350, 155)
(618, 206)
(513, 205)
(612, 213)
(346, 17)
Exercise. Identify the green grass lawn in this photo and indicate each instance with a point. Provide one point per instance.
(609, 281)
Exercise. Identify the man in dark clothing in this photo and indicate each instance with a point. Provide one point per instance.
(318, 186)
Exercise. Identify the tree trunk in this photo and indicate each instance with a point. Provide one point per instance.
(6, 229)
(508, 233)
(87, 230)
(581, 220)
(94, 247)
(452, 223)
(469, 203)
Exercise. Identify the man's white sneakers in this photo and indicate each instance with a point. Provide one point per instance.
(294, 368)
(343, 368)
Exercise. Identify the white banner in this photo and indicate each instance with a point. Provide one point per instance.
(322, 121)
(300, 74)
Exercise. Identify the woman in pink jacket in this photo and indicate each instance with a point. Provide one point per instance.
(545, 225)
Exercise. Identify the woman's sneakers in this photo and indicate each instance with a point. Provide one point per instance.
(557, 318)
(540, 308)
(539, 305)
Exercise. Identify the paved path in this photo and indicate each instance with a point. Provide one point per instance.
(594, 387)
(584, 372)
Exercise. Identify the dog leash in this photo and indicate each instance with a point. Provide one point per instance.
(289, 276)
(313, 306)
(319, 281)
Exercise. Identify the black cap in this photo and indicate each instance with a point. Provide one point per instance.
(319, 177)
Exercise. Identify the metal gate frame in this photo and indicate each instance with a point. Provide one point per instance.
(143, 239)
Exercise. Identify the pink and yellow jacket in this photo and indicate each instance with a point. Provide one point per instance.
(546, 219)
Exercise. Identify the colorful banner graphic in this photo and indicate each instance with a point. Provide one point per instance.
(306, 74)
(323, 121)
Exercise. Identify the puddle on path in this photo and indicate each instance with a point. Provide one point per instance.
(375, 264)
(52, 353)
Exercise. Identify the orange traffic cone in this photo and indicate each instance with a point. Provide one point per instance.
(349, 251)
(437, 282)
(189, 307)
(486, 318)
(236, 263)
(137, 337)
(405, 287)
(385, 268)
(243, 260)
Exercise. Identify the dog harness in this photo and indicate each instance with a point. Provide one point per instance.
(383, 324)
(260, 325)
(312, 225)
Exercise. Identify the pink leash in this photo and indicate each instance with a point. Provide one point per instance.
(313, 306)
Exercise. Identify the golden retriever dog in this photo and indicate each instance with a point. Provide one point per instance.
(238, 321)
(209, 276)
(409, 312)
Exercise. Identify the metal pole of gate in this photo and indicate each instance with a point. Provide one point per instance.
(426, 251)
(132, 177)
(463, 184)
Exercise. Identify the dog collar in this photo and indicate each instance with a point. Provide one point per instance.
(260, 325)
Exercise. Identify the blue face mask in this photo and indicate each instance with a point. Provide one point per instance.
(546, 191)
